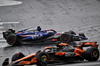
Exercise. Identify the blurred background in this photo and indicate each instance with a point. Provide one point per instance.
(62, 15)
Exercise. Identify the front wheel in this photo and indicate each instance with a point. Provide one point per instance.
(65, 38)
(42, 59)
(12, 40)
(92, 54)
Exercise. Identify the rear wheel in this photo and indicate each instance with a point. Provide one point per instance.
(12, 40)
(92, 54)
(65, 38)
(42, 59)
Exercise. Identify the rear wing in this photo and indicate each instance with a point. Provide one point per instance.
(86, 44)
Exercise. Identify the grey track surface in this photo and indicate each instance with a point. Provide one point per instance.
(61, 15)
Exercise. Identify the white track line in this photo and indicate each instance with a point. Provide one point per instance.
(1, 23)
(9, 3)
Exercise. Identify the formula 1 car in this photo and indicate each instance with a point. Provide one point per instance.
(61, 53)
(35, 36)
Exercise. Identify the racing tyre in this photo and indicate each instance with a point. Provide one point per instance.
(42, 59)
(12, 40)
(16, 57)
(65, 38)
(92, 54)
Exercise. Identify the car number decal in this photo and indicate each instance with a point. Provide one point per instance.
(37, 36)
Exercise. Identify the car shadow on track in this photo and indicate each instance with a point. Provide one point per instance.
(73, 63)
(34, 45)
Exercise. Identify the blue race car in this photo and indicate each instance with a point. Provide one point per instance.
(37, 36)
(28, 35)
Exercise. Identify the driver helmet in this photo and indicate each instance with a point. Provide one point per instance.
(38, 28)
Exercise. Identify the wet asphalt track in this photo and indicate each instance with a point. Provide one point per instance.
(61, 15)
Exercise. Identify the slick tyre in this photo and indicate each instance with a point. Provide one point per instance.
(42, 59)
(65, 38)
(12, 40)
(92, 54)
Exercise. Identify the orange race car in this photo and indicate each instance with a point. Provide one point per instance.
(61, 53)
